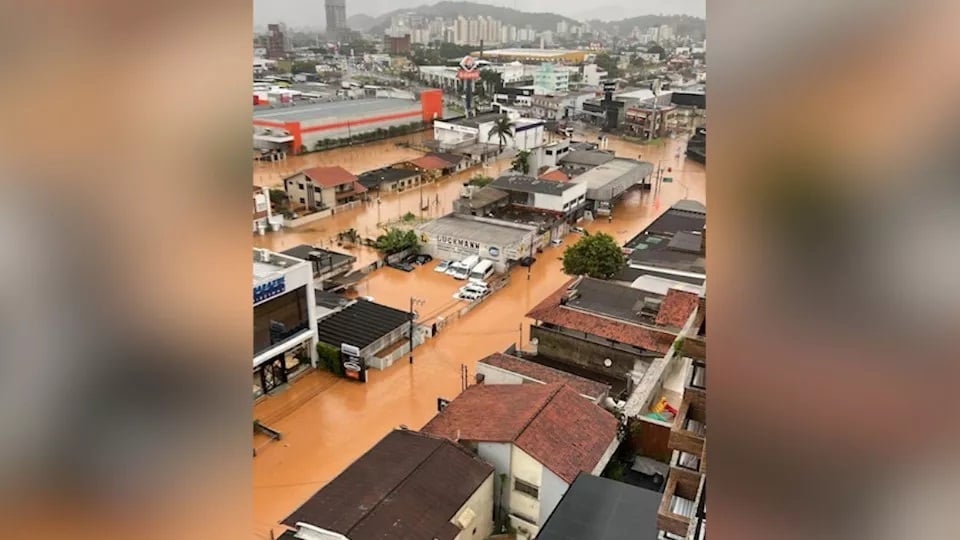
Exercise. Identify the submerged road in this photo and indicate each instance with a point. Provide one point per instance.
(327, 423)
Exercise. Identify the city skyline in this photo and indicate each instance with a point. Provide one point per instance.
(311, 13)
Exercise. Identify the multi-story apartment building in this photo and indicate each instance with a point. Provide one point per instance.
(278, 42)
(683, 510)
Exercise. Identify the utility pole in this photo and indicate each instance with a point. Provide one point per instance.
(413, 302)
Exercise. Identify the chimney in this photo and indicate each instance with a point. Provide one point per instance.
(480, 377)
(458, 436)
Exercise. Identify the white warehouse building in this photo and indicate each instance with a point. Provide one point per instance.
(456, 237)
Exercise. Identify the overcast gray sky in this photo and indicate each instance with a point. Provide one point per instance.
(310, 12)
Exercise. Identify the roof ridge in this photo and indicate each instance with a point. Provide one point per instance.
(540, 409)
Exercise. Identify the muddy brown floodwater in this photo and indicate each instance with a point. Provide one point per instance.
(328, 423)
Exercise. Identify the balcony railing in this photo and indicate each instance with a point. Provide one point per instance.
(689, 430)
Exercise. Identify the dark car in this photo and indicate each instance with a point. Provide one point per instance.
(528, 261)
(406, 267)
(423, 258)
(410, 259)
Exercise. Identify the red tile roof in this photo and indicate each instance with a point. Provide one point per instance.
(550, 422)
(330, 176)
(431, 162)
(676, 307)
(551, 311)
(556, 175)
(545, 374)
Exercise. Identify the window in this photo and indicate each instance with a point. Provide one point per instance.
(316, 190)
(526, 488)
(302, 201)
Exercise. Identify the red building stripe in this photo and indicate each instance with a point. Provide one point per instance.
(363, 121)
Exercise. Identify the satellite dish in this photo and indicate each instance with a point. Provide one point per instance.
(607, 362)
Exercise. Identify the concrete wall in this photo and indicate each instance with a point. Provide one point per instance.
(529, 470)
(481, 504)
(495, 375)
(310, 138)
(552, 489)
(583, 353)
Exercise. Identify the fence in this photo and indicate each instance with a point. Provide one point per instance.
(320, 214)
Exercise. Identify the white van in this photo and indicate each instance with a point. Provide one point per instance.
(482, 271)
(461, 269)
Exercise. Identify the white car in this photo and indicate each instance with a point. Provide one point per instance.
(442, 267)
(556, 242)
(465, 295)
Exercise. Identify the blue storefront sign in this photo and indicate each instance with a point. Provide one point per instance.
(269, 289)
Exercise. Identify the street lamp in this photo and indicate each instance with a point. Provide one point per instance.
(413, 302)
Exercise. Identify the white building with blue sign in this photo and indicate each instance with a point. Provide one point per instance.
(455, 237)
(284, 319)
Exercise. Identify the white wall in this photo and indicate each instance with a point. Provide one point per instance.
(495, 375)
(481, 504)
(529, 470)
(447, 133)
(552, 489)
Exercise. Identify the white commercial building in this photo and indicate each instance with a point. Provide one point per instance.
(560, 197)
(456, 237)
(284, 319)
(528, 133)
(551, 79)
(593, 75)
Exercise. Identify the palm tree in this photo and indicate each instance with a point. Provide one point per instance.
(502, 129)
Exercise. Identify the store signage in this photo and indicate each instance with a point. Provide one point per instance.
(457, 242)
(269, 289)
(494, 251)
(468, 69)
(353, 365)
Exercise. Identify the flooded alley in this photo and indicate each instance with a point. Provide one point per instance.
(333, 421)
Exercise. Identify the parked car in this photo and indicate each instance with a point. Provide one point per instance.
(466, 295)
(528, 261)
(410, 259)
(475, 289)
(580, 230)
(423, 258)
(442, 267)
(556, 242)
(402, 266)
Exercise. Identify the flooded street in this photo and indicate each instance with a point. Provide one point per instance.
(356, 159)
(336, 420)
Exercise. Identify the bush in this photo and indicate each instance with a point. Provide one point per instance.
(409, 216)
(330, 359)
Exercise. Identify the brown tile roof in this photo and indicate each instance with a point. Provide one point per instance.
(551, 311)
(676, 307)
(409, 485)
(556, 175)
(330, 176)
(546, 375)
(550, 422)
(429, 162)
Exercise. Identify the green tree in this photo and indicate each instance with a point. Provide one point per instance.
(490, 81)
(502, 129)
(396, 240)
(597, 256)
(609, 64)
(657, 50)
(303, 67)
(480, 180)
(521, 163)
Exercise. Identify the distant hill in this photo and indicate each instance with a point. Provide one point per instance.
(684, 24)
(520, 19)
(361, 22)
